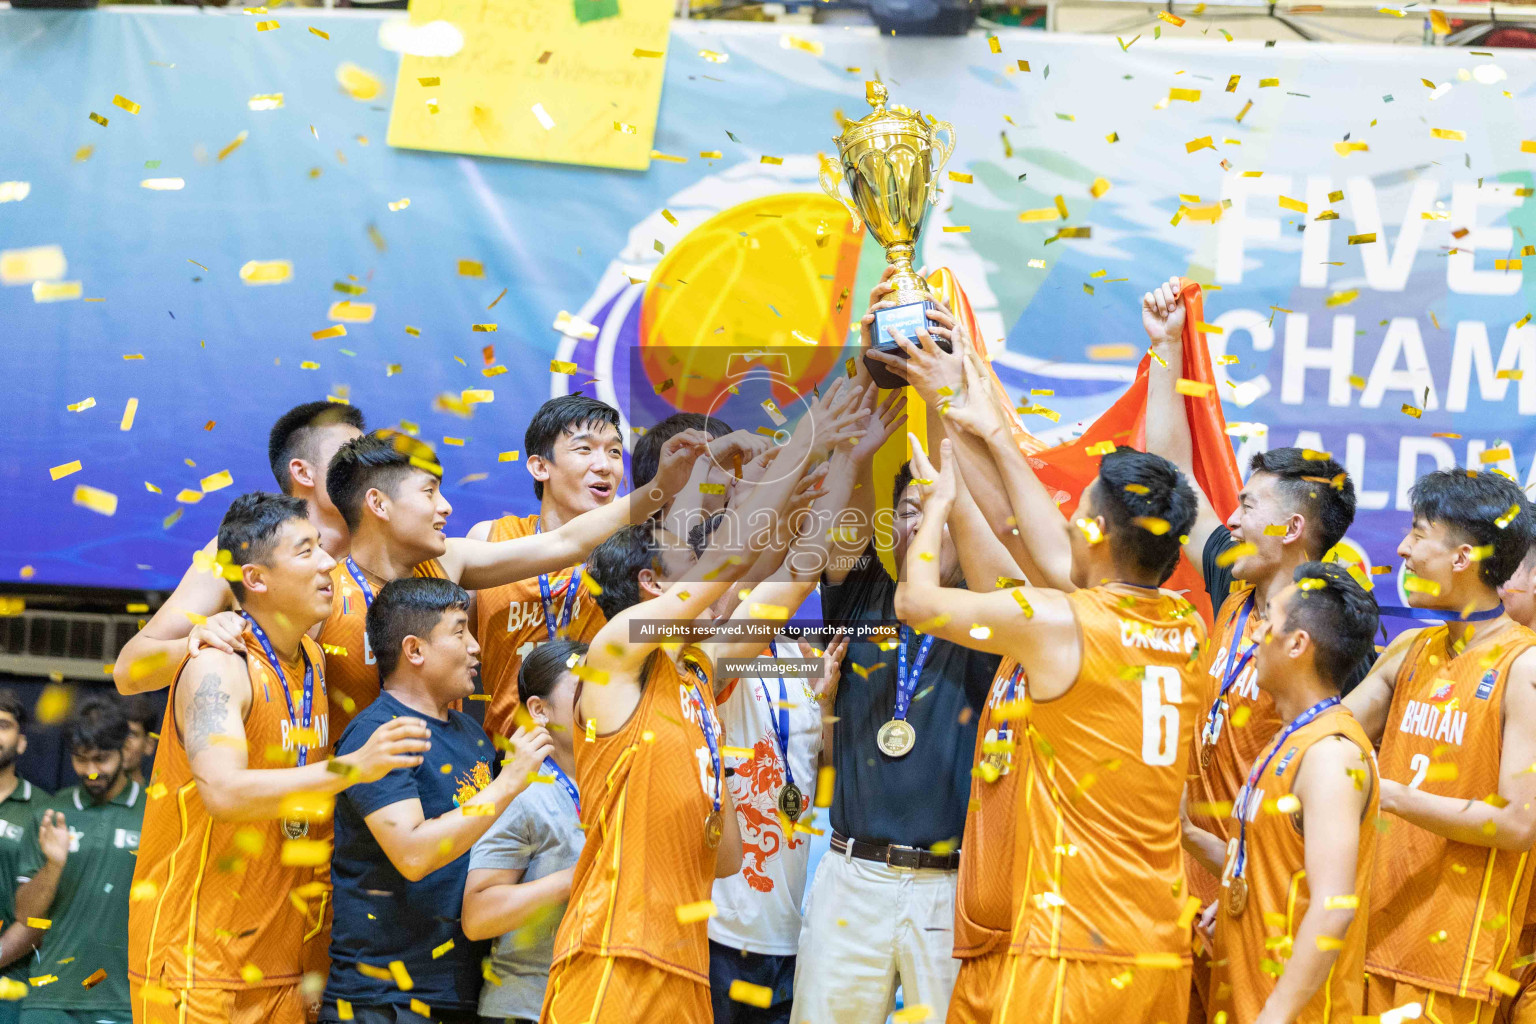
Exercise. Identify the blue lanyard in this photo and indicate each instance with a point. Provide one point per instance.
(1392, 611)
(709, 737)
(565, 780)
(1005, 729)
(780, 719)
(1245, 795)
(362, 583)
(568, 606)
(906, 683)
(1229, 676)
(309, 683)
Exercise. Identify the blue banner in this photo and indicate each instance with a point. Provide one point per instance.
(1359, 214)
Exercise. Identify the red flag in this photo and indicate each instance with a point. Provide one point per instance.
(1068, 468)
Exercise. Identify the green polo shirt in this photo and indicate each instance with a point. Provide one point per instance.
(90, 909)
(19, 813)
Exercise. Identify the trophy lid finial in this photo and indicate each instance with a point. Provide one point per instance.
(875, 95)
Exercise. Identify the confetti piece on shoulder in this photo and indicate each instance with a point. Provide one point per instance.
(692, 913)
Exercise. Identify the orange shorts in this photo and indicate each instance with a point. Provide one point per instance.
(975, 994)
(1039, 990)
(275, 1004)
(588, 989)
(1383, 994)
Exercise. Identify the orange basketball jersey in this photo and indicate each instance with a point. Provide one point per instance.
(1278, 896)
(509, 621)
(646, 792)
(350, 668)
(984, 904)
(213, 899)
(1104, 868)
(1226, 742)
(1444, 913)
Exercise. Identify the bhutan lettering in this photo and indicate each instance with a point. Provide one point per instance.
(1423, 719)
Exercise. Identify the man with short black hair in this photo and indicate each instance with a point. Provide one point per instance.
(81, 858)
(387, 487)
(1459, 694)
(197, 613)
(575, 454)
(1293, 508)
(20, 807)
(246, 768)
(403, 841)
(1294, 886)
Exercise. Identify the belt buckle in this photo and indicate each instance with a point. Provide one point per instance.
(916, 858)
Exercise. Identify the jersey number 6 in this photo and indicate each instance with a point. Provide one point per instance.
(1160, 720)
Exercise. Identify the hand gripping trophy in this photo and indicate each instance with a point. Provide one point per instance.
(891, 161)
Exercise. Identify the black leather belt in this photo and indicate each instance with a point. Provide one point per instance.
(893, 856)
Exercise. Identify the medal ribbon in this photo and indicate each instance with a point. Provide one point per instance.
(309, 683)
(709, 738)
(1393, 611)
(567, 607)
(779, 719)
(906, 683)
(1229, 676)
(361, 581)
(565, 781)
(1245, 795)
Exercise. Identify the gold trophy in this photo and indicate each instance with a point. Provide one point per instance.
(892, 160)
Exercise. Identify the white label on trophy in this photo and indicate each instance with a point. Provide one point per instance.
(906, 319)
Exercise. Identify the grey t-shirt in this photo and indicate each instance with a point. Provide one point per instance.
(539, 833)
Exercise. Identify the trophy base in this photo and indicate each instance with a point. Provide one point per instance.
(906, 320)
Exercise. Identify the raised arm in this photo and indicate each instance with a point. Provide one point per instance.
(476, 564)
(1168, 435)
(1034, 626)
(213, 698)
(1031, 525)
(614, 658)
(35, 897)
(1332, 804)
(1508, 823)
(149, 661)
(417, 845)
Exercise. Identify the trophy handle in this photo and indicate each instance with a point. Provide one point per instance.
(833, 187)
(946, 150)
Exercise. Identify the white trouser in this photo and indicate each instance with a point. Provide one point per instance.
(867, 928)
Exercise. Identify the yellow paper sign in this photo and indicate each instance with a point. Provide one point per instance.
(496, 97)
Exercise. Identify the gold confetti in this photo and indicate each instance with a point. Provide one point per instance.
(1493, 979)
(692, 913)
(1228, 557)
(471, 268)
(483, 328)
(1187, 95)
(96, 500)
(789, 42)
(753, 995)
(1362, 239)
(1104, 352)
(305, 853)
(1099, 187)
(40, 923)
(338, 331)
(1419, 585)
(1343, 298)
(1153, 525)
(1269, 83)
(915, 1014)
(1172, 19)
(266, 26)
(1195, 145)
(1508, 517)
(1409, 410)
(236, 143)
(558, 366)
(1451, 134)
(98, 119)
(61, 471)
(1043, 213)
(1194, 388)
(129, 411)
(1287, 203)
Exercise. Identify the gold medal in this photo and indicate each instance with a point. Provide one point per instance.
(896, 738)
(1236, 896)
(791, 802)
(295, 829)
(998, 760)
(714, 829)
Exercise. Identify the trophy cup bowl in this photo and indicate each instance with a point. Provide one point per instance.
(891, 160)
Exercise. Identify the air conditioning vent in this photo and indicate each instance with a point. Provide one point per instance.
(74, 645)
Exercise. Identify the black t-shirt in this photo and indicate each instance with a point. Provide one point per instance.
(920, 799)
(1218, 584)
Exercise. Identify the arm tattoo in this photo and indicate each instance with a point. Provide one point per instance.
(209, 706)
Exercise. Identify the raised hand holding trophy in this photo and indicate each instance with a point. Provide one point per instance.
(888, 160)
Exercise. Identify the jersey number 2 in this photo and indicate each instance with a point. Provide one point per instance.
(1160, 720)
